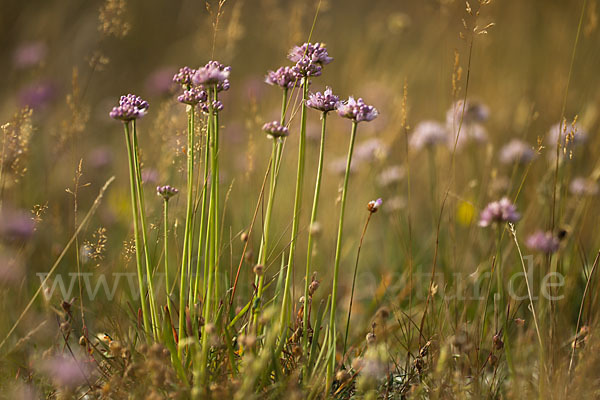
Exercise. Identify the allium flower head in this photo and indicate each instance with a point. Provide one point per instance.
(544, 242)
(374, 205)
(315, 53)
(356, 110)
(213, 73)
(324, 102)
(474, 113)
(184, 76)
(193, 96)
(583, 187)
(306, 68)
(499, 211)
(516, 152)
(428, 134)
(130, 107)
(217, 106)
(166, 191)
(284, 77)
(275, 130)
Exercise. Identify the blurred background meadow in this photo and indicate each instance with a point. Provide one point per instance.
(522, 66)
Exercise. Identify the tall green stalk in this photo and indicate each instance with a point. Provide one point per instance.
(274, 167)
(215, 198)
(338, 251)
(313, 220)
(166, 243)
(297, 206)
(189, 231)
(135, 213)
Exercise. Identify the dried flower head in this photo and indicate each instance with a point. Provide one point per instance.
(516, 152)
(212, 74)
(499, 211)
(374, 205)
(323, 102)
(166, 191)
(275, 130)
(193, 96)
(356, 110)
(284, 77)
(428, 134)
(130, 107)
(544, 242)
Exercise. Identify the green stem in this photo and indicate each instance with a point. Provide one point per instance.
(166, 242)
(215, 187)
(187, 239)
(201, 236)
(313, 220)
(297, 206)
(338, 251)
(134, 209)
(264, 244)
(142, 208)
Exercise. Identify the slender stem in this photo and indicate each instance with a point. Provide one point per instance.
(142, 209)
(297, 206)
(313, 220)
(201, 234)
(274, 171)
(166, 242)
(215, 187)
(134, 209)
(362, 237)
(187, 239)
(338, 251)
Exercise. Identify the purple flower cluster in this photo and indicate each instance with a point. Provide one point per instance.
(284, 77)
(471, 129)
(193, 96)
(356, 110)
(428, 134)
(516, 152)
(499, 211)
(184, 76)
(583, 187)
(544, 242)
(324, 102)
(130, 107)
(166, 191)
(275, 130)
(212, 74)
(315, 53)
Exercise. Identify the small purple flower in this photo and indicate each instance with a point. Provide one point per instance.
(583, 187)
(324, 102)
(428, 134)
(216, 107)
(544, 242)
(130, 107)
(374, 205)
(184, 76)
(474, 113)
(499, 211)
(306, 68)
(356, 110)
(284, 77)
(315, 53)
(275, 130)
(212, 74)
(516, 152)
(166, 191)
(193, 96)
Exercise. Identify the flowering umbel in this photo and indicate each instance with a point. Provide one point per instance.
(357, 110)
(212, 74)
(284, 77)
(193, 96)
(184, 76)
(499, 211)
(309, 59)
(275, 130)
(428, 134)
(324, 102)
(166, 192)
(130, 107)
